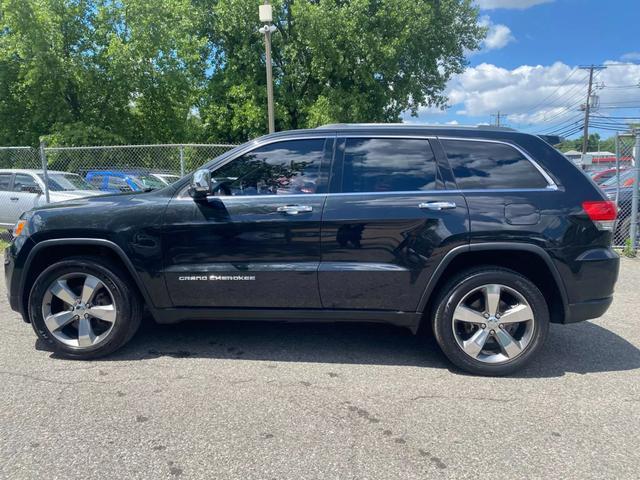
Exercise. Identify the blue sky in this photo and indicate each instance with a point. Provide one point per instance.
(527, 67)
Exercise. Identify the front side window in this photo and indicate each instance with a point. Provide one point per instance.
(388, 165)
(25, 183)
(283, 168)
(489, 165)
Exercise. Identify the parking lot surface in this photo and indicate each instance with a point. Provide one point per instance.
(332, 401)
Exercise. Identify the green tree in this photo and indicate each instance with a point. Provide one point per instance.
(335, 61)
(133, 71)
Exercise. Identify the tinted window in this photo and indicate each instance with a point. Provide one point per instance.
(481, 165)
(5, 180)
(388, 165)
(282, 168)
(24, 182)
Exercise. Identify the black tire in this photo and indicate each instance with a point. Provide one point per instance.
(457, 288)
(129, 305)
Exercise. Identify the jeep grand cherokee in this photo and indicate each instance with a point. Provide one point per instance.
(483, 235)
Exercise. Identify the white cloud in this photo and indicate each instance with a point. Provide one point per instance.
(630, 57)
(511, 4)
(535, 95)
(498, 36)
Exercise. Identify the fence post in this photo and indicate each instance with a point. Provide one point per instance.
(634, 196)
(182, 160)
(618, 169)
(45, 173)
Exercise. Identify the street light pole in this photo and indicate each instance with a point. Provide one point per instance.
(266, 16)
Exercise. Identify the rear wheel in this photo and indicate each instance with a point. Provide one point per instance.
(84, 307)
(490, 321)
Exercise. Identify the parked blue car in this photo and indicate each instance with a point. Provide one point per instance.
(128, 181)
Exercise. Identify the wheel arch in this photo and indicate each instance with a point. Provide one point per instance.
(520, 257)
(46, 252)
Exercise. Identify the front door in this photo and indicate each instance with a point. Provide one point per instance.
(25, 195)
(256, 242)
(389, 226)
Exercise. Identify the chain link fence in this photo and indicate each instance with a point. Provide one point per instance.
(81, 171)
(30, 177)
(621, 188)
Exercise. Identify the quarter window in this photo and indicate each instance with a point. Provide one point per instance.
(483, 165)
(283, 168)
(388, 165)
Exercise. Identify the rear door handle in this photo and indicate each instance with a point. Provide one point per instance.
(437, 205)
(295, 209)
(14, 199)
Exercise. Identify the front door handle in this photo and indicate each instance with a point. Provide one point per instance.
(295, 209)
(437, 205)
(14, 199)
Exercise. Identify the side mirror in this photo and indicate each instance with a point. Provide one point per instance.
(200, 184)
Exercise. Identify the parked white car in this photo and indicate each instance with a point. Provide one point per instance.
(22, 190)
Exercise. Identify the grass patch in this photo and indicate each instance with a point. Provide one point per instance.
(4, 240)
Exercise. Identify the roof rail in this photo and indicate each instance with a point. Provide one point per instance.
(412, 125)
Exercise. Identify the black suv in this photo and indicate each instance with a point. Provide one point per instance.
(483, 235)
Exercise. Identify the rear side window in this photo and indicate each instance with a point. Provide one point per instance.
(388, 165)
(483, 165)
(5, 180)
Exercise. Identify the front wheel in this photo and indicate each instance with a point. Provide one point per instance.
(490, 321)
(84, 307)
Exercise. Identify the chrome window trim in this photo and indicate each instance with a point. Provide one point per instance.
(551, 184)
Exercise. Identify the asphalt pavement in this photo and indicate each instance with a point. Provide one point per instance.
(224, 400)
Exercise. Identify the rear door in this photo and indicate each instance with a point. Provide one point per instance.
(257, 243)
(510, 196)
(6, 200)
(388, 225)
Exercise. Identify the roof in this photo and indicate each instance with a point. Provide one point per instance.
(29, 170)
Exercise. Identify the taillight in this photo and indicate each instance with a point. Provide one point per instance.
(602, 213)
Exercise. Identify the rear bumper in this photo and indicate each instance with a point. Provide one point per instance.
(577, 312)
(589, 280)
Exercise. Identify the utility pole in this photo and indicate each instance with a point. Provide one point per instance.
(498, 116)
(587, 109)
(266, 16)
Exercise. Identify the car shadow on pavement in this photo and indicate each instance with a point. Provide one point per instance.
(581, 348)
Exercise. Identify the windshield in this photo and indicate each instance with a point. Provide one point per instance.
(624, 175)
(168, 179)
(64, 182)
(149, 181)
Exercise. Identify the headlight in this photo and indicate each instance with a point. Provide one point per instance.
(20, 228)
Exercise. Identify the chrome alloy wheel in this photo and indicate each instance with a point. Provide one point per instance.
(79, 310)
(493, 323)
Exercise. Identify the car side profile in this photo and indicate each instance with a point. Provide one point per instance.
(483, 235)
(22, 190)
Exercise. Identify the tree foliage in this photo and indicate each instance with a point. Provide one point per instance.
(116, 71)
